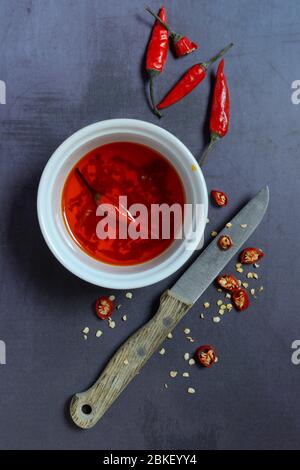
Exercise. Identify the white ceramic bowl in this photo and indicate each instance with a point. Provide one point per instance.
(49, 202)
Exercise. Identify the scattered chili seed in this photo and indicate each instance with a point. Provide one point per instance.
(126, 362)
(194, 168)
(124, 318)
(220, 198)
(191, 390)
(185, 374)
(186, 356)
(112, 297)
(244, 225)
(202, 316)
(206, 305)
(250, 275)
(169, 336)
(240, 299)
(229, 225)
(85, 330)
(111, 323)
(216, 319)
(225, 242)
(245, 284)
(162, 351)
(99, 333)
(187, 331)
(192, 362)
(173, 373)
(213, 233)
(129, 295)
(251, 255)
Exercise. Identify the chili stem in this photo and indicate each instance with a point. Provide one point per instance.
(93, 192)
(158, 19)
(217, 56)
(214, 138)
(155, 110)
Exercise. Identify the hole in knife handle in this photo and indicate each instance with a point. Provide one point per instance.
(86, 409)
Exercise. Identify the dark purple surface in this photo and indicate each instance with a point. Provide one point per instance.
(68, 64)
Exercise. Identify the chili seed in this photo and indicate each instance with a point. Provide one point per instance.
(206, 305)
(85, 330)
(173, 373)
(186, 356)
(191, 390)
(162, 351)
(187, 331)
(192, 362)
(129, 295)
(213, 233)
(216, 319)
(99, 333)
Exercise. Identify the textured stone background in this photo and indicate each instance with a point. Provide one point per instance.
(68, 63)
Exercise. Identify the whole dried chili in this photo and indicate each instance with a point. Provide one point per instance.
(220, 112)
(157, 54)
(190, 80)
(220, 198)
(182, 44)
(251, 255)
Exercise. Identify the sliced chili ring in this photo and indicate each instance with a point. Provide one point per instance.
(228, 282)
(104, 307)
(220, 198)
(206, 355)
(251, 255)
(240, 299)
(225, 242)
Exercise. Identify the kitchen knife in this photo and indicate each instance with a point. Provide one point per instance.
(88, 407)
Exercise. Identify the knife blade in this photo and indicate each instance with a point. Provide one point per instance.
(191, 285)
(88, 407)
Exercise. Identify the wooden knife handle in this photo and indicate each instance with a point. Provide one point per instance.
(88, 407)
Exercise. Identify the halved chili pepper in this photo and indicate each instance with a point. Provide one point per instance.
(182, 44)
(220, 112)
(240, 299)
(157, 53)
(104, 307)
(220, 198)
(225, 242)
(228, 282)
(251, 255)
(192, 77)
(206, 355)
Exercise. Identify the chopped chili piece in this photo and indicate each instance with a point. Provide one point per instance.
(228, 282)
(182, 44)
(157, 54)
(251, 255)
(206, 355)
(240, 299)
(192, 77)
(104, 307)
(225, 242)
(220, 111)
(220, 198)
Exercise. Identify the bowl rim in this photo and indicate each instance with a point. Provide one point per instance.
(77, 139)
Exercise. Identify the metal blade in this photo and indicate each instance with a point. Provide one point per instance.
(213, 260)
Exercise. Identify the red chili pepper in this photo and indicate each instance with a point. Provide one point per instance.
(192, 77)
(225, 242)
(251, 255)
(228, 282)
(220, 112)
(104, 307)
(206, 355)
(240, 299)
(157, 53)
(182, 44)
(220, 198)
